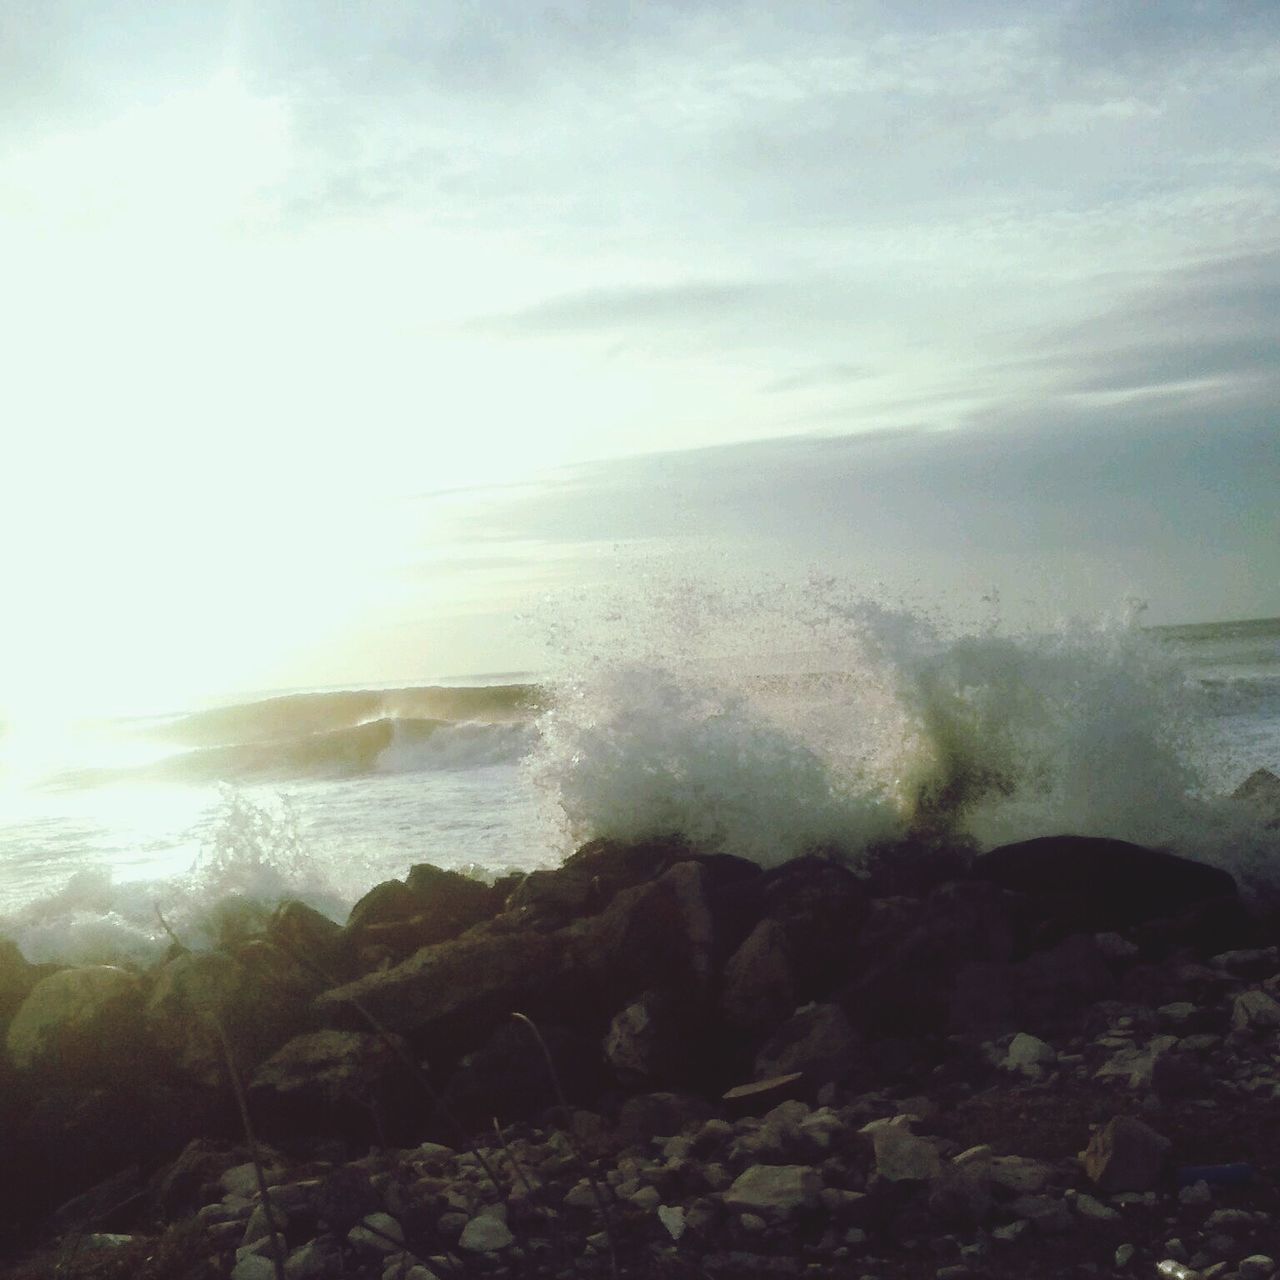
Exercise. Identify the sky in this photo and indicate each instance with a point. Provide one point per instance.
(340, 341)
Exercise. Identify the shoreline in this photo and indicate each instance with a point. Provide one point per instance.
(738, 1048)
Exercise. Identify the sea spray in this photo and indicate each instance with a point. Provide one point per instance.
(790, 719)
(253, 857)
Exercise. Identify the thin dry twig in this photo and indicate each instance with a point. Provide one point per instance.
(277, 1248)
(593, 1182)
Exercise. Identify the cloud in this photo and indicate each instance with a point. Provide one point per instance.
(598, 310)
(1217, 321)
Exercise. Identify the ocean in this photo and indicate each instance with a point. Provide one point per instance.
(766, 729)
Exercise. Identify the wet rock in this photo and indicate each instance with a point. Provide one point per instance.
(306, 935)
(79, 1025)
(1101, 884)
(17, 977)
(1261, 790)
(471, 980)
(656, 935)
(259, 1004)
(1126, 1155)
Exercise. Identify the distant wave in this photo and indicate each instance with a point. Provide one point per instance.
(296, 715)
(385, 745)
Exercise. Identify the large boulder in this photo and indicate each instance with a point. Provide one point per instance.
(655, 935)
(507, 1077)
(17, 977)
(430, 905)
(819, 905)
(344, 1082)
(910, 952)
(79, 1025)
(817, 1041)
(1099, 884)
(448, 996)
(758, 989)
(259, 996)
(310, 938)
(1261, 789)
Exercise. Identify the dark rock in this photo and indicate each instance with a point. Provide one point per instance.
(758, 990)
(653, 1115)
(507, 1077)
(910, 953)
(819, 905)
(1100, 884)
(657, 934)
(650, 1042)
(1126, 1155)
(588, 880)
(331, 1082)
(1261, 789)
(454, 993)
(386, 903)
(176, 1189)
(17, 977)
(259, 995)
(310, 938)
(78, 1026)
(1061, 980)
(817, 1041)
(1176, 1077)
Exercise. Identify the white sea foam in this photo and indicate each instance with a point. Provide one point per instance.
(783, 720)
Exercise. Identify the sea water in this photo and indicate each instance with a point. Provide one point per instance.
(766, 725)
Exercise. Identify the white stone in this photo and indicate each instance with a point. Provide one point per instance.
(377, 1233)
(777, 1188)
(486, 1234)
(1257, 1266)
(1029, 1055)
(1197, 1193)
(672, 1217)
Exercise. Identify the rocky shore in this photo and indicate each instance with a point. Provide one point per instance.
(1059, 1058)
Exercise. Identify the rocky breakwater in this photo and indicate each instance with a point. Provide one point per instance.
(1062, 1058)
